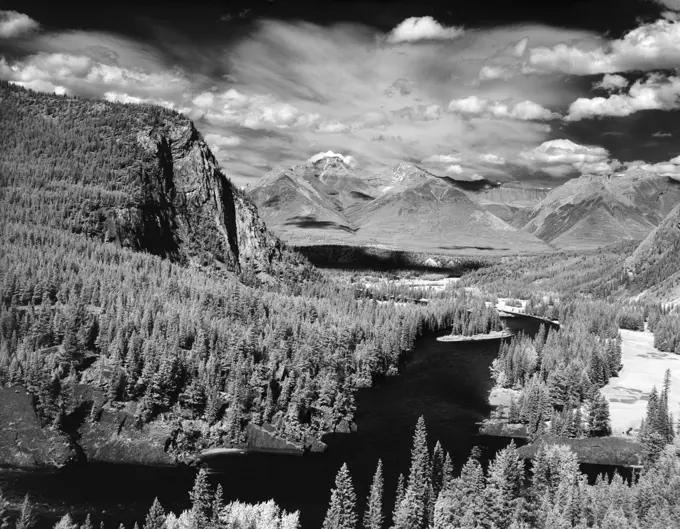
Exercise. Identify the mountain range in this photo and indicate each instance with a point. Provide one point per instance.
(407, 208)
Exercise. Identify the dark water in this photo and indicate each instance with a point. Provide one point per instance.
(447, 383)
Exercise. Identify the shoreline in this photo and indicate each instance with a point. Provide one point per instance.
(493, 335)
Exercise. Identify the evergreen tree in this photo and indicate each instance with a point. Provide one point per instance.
(4, 512)
(373, 517)
(399, 495)
(503, 493)
(413, 509)
(88, 523)
(341, 512)
(27, 517)
(155, 519)
(201, 500)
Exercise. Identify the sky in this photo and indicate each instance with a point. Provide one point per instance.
(538, 92)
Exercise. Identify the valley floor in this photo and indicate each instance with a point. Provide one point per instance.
(643, 367)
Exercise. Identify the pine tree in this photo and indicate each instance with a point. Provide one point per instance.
(4, 512)
(88, 523)
(27, 515)
(503, 499)
(201, 500)
(155, 519)
(447, 472)
(413, 510)
(341, 512)
(399, 495)
(373, 517)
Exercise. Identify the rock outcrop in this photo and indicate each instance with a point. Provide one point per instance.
(24, 441)
(193, 208)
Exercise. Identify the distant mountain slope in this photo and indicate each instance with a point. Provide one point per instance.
(510, 201)
(408, 208)
(433, 213)
(593, 211)
(655, 264)
(138, 175)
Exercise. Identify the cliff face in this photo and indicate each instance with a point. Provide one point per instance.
(191, 211)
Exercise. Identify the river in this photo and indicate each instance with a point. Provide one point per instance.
(447, 383)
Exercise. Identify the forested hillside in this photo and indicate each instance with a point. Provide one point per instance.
(113, 277)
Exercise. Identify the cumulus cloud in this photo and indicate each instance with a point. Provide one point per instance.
(349, 160)
(563, 157)
(419, 112)
(14, 24)
(490, 72)
(333, 127)
(492, 159)
(442, 158)
(671, 168)
(217, 141)
(653, 93)
(415, 29)
(454, 169)
(648, 47)
(611, 82)
(523, 111)
(670, 4)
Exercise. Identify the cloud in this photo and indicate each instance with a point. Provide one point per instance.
(419, 112)
(349, 160)
(454, 169)
(333, 127)
(523, 111)
(563, 157)
(611, 82)
(648, 47)
(492, 159)
(670, 4)
(13, 25)
(442, 158)
(489, 72)
(653, 93)
(422, 28)
(292, 89)
(217, 141)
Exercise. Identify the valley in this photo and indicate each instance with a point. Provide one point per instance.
(157, 321)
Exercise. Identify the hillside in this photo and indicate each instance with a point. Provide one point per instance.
(593, 211)
(147, 313)
(655, 264)
(405, 208)
(141, 177)
(510, 201)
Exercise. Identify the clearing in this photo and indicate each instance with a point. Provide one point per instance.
(643, 367)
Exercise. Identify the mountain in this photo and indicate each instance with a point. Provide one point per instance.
(655, 264)
(593, 211)
(141, 176)
(406, 208)
(510, 201)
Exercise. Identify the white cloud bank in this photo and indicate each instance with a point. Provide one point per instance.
(349, 160)
(648, 47)
(523, 111)
(415, 29)
(655, 92)
(563, 157)
(13, 25)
